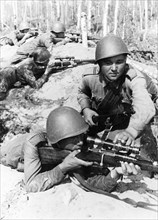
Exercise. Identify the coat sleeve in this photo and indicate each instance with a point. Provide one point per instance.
(84, 94)
(143, 106)
(35, 179)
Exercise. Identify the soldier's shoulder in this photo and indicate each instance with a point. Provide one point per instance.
(132, 73)
(37, 137)
(91, 72)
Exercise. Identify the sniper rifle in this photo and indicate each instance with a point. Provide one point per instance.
(68, 62)
(75, 37)
(61, 63)
(79, 35)
(109, 154)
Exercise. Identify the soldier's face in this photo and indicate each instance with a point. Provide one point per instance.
(60, 35)
(42, 66)
(24, 31)
(72, 143)
(113, 67)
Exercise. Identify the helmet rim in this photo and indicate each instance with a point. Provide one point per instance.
(64, 122)
(110, 46)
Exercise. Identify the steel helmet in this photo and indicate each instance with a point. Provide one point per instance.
(41, 55)
(24, 26)
(58, 27)
(109, 46)
(64, 122)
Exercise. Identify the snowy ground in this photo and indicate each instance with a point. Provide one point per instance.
(66, 201)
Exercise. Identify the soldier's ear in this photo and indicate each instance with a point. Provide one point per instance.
(98, 69)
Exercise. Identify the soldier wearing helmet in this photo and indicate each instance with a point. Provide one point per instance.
(64, 137)
(58, 31)
(47, 40)
(19, 37)
(107, 87)
(24, 27)
(58, 28)
(33, 71)
(24, 33)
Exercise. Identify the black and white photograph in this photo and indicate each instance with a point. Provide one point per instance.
(79, 109)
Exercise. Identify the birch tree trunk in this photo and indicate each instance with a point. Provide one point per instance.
(67, 13)
(48, 17)
(15, 14)
(89, 25)
(62, 16)
(146, 19)
(123, 27)
(140, 15)
(24, 11)
(58, 9)
(2, 14)
(134, 4)
(105, 16)
(79, 15)
(116, 16)
(84, 29)
(53, 10)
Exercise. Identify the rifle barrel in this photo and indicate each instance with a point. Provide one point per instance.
(107, 158)
(85, 61)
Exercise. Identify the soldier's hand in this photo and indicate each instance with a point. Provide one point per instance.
(72, 162)
(125, 169)
(88, 114)
(125, 138)
(51, 63)
(27, 35)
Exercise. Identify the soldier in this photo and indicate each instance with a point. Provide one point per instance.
(104, 92)
(64, 136)
(19, 37)
(33, 72)
(58, 30)
(46, 40)
(23, 34)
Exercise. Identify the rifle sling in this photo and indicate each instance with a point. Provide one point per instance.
(110, 100)
(87, 187)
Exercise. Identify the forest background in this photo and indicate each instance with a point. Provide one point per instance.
(133, 20)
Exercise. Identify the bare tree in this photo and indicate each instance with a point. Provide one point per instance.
(84, 29)
(105, 17)
(58, 9)
(52, 11)
(146, 19)
(79, 8)
(116, 16)
(134, 8)
(89, 14)
(140, 15)
(62, 16)
(15, 14)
